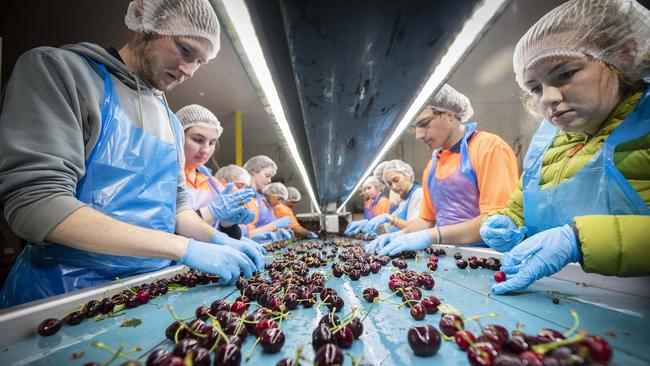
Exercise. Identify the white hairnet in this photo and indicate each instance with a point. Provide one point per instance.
(448, 99)
(276, 189)
(373, 181)
(234, 174)
(195, 115)
(399, 167)
(191, 18)
(257, 163)
(379, 171)
(616, 32)
(294, 194)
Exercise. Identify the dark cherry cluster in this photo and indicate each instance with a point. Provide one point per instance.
(355, 262)
(128, 298)
(407, 284)
(496, 346)
(491, 263)
(333, 333)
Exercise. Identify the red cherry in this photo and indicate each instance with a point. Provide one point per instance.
(424, 340)
(499, 276)
(264, 324)
(599, 349)
(418, 312)
(464, 339)
(142, 297)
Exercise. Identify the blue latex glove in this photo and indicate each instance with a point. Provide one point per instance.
(312, 235)
(230, 206)
(286, 234)
(354, 227)
(248, 240)
(266, 237)
(381, 241)
(418, 240)
(220, 260)
(371, 226)
(253, 251)
(501, 233)
(282, 223)
(541, 255)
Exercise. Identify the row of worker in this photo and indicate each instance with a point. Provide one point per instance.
(584, 195)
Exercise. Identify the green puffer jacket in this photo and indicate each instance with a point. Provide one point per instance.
(611, 245)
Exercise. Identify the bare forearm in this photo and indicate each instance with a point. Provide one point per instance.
(399, 223)
(189, 224)
(417, 225)
(459, 234)
(91, 230)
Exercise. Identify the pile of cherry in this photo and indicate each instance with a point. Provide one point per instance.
(129, 298)
(296, 278)
(286, 286)
(496, 346)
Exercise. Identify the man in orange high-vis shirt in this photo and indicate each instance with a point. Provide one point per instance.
(470, 174)
(285, 209)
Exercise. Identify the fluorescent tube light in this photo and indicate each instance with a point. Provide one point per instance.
(241, 22)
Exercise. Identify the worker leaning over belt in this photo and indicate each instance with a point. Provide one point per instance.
(470, 174)
(265, 227)
(376, 204)
(92, 169)
(285, 209)
(585, 190)
(220, 207)
(401, 179)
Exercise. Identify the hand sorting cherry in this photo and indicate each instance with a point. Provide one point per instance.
(296, 278)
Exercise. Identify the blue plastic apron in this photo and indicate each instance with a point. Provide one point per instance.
(598, 188)
(402, 213)
(265, 215)
(369, 210)
(131, 176)
(456, 197)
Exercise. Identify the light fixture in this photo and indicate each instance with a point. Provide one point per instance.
(472, 30)
(239, 20)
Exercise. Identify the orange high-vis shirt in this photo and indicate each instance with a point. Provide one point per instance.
(282, 210)
(496, 171)
(200, 183)
(382, 207)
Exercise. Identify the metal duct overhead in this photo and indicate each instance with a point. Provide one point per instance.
(348, 70)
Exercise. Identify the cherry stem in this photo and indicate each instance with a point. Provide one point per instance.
(124, 285)
(250, 350)
(368, 312)
(546, 347)
(576, 324)
(183, 325)
(463, 334)
(115, 354)
(77, 309)
(477, 317)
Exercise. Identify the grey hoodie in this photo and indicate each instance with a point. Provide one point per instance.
(49, 123)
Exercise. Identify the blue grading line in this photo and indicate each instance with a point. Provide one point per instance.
(621, 318)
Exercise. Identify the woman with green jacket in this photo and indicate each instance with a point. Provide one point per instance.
(584, 195)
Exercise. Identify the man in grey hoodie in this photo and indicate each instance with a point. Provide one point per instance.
(92, 163)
